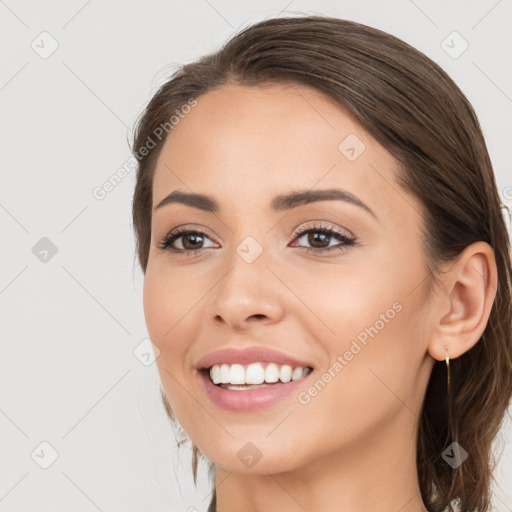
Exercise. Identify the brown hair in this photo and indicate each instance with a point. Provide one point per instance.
(413, 108)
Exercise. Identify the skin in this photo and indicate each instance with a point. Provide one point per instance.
(352, 447)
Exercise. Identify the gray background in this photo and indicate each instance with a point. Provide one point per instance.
(72, 320)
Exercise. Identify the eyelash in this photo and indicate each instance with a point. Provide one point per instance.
(348, 242)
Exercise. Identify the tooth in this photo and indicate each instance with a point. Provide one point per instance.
(224, 374)
(285, 373)
(237, 374)
(244, 388)
(297, 374)
(255, 374)
(215, 374)
(271, 373)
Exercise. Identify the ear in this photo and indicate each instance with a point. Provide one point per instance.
(466, 302)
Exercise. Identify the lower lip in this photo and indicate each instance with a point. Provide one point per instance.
(251, 399)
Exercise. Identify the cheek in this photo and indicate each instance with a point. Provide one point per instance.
(371, 377)
(345, 298)
(169, 314)
(370, 317)
(380, 370)
(169, 299)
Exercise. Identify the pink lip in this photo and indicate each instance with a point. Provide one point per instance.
(247, 356)
(252, 399)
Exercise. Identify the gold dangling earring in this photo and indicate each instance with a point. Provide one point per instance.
(447, 368)
(448, 390)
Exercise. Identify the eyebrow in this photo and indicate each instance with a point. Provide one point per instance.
(279, 203)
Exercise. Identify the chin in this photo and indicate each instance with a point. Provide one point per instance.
(251, 460)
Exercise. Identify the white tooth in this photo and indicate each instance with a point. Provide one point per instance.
(285, 373)
(245, 388)
(271, 373)
(224, 374)
(255, 374)
(215, 374)
(237, 374)
(297, 374)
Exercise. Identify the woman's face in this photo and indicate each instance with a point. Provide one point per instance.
(357, 314)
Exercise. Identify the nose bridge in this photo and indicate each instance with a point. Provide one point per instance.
(246, 290)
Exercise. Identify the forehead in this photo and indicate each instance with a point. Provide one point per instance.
(262, 140)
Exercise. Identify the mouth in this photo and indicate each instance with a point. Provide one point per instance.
(247, 388)
(238, 377)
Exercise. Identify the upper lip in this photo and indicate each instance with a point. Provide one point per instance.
(249, 355)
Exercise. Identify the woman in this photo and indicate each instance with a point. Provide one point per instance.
(327, 272)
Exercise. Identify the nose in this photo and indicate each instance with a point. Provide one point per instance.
(248, 294)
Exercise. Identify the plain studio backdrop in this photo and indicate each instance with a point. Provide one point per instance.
(82, 427)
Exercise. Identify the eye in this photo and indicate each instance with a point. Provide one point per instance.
(191, 243)
(318, 236)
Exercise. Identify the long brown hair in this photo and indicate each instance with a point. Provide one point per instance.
(413, 108)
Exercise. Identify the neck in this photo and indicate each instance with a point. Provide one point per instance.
(377, 473)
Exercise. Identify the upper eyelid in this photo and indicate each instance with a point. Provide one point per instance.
(320, 226)
(316, 224)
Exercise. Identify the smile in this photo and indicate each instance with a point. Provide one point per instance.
(238, 397)
(252, 376)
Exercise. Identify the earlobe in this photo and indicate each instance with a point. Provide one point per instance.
(470, 291)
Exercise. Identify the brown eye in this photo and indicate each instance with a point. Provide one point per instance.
(190, 240)
(187, 242)
(318, 240)
(320, 237)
